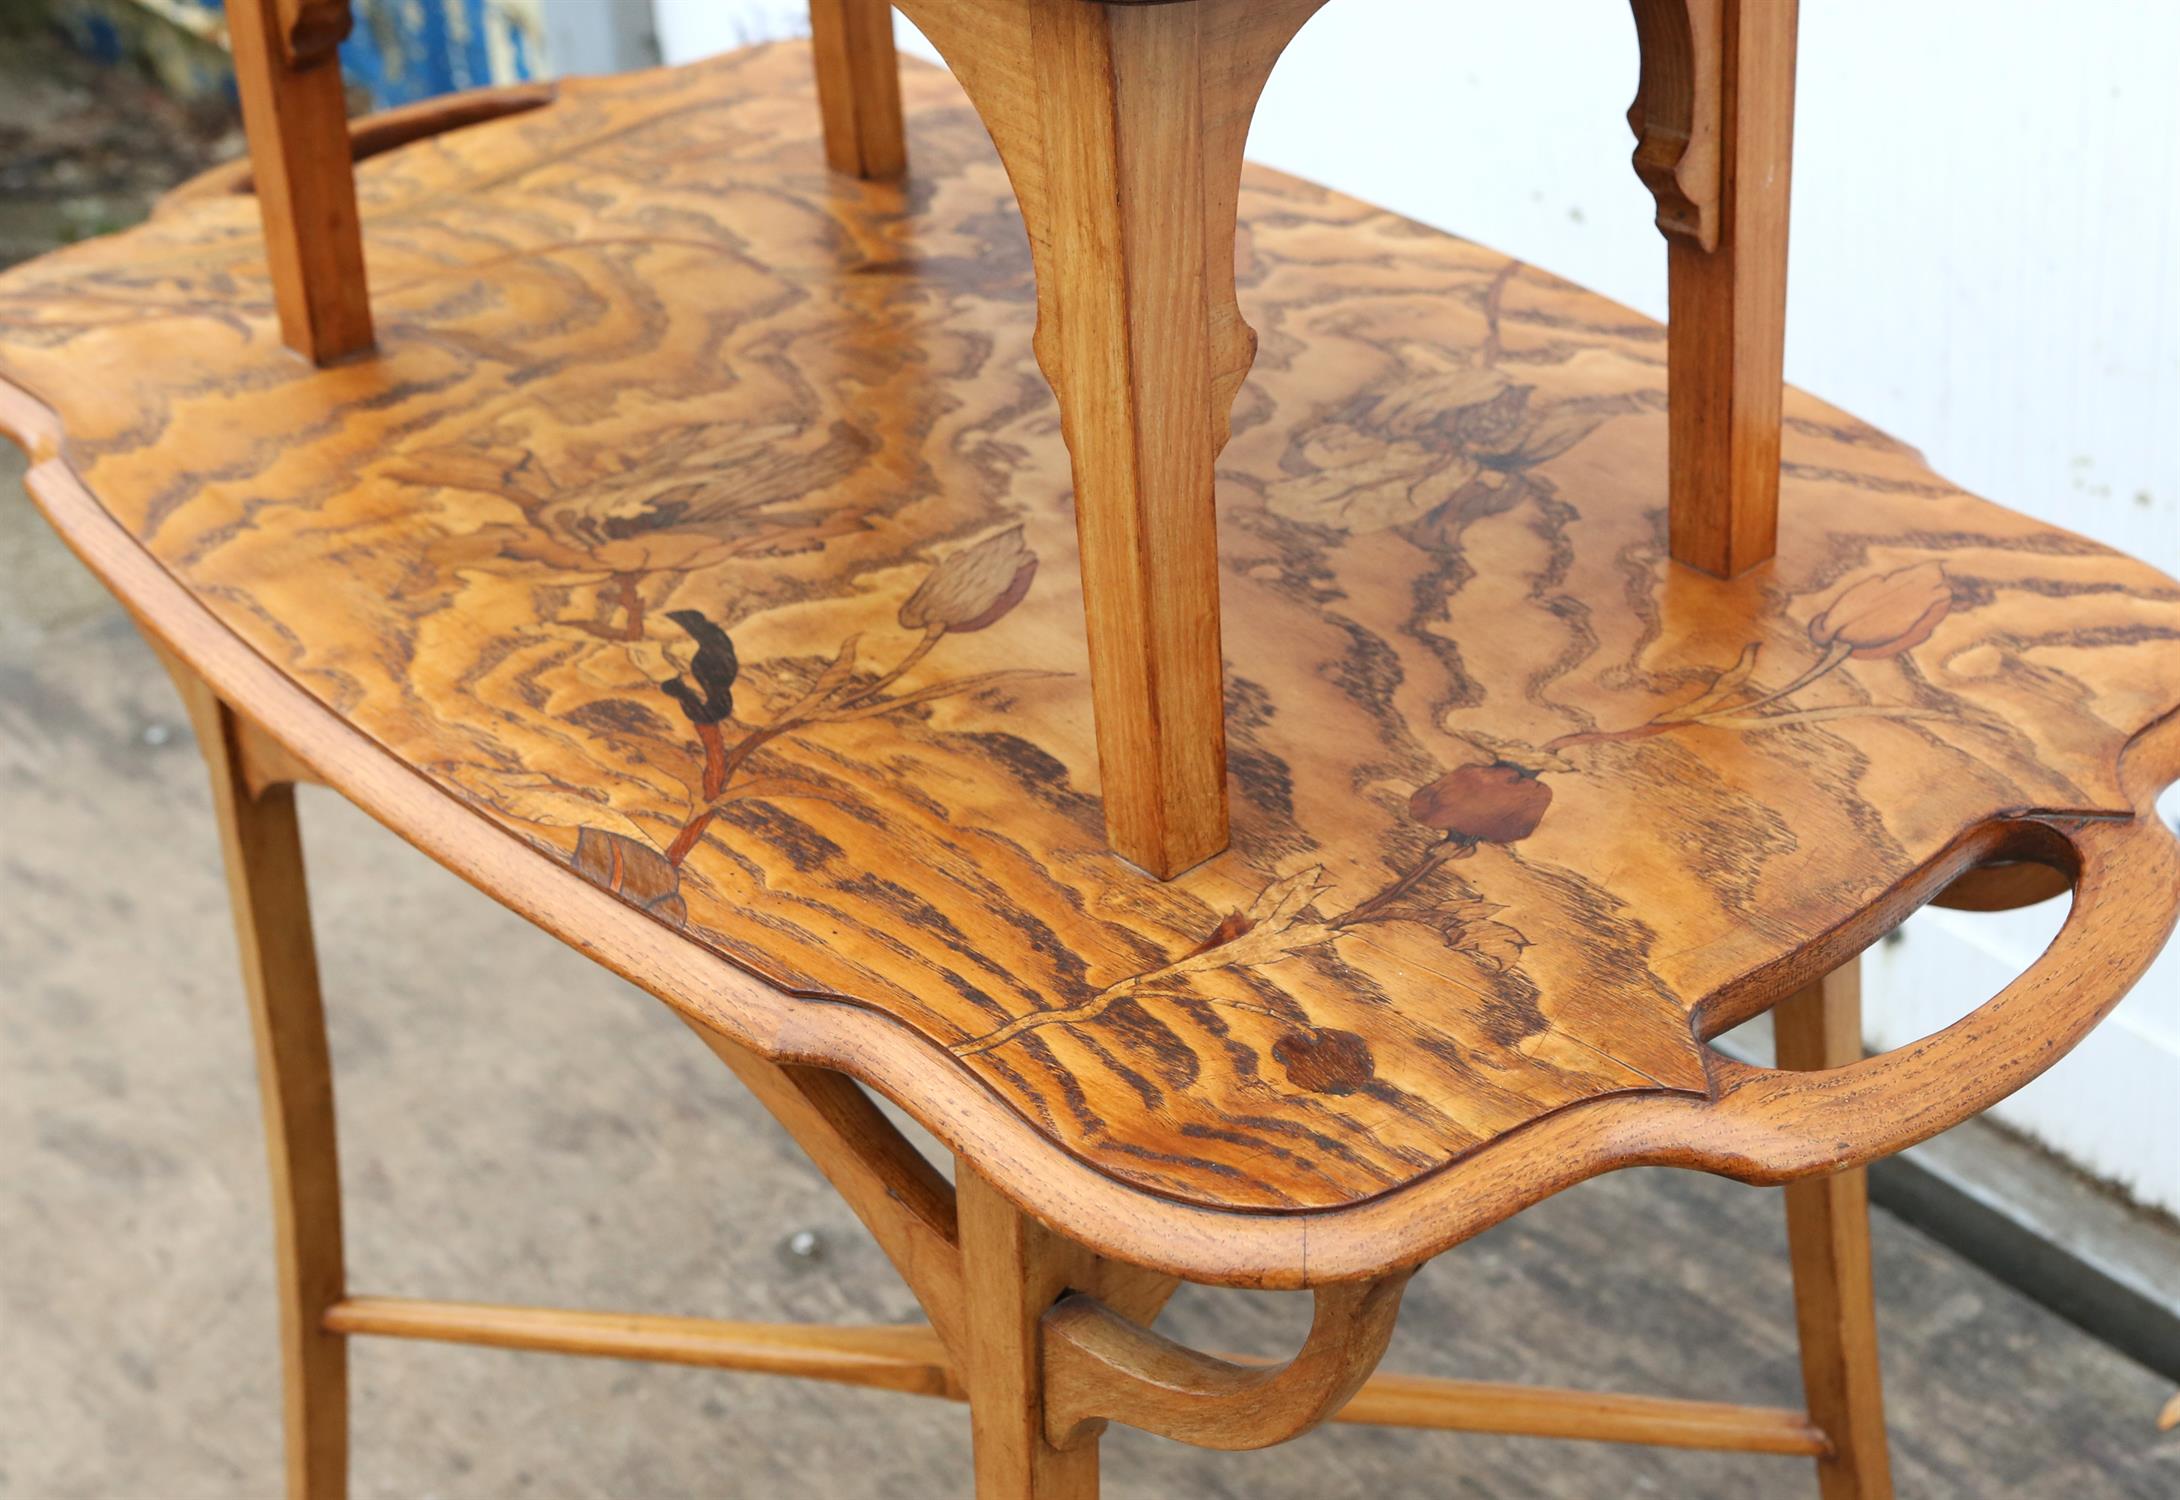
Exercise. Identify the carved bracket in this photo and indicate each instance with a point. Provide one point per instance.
(311, 31)
(1679, 114)
(1100, 1366)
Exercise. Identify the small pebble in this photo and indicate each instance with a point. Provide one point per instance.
(158, 735)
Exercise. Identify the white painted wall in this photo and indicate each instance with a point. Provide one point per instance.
(1986, 263)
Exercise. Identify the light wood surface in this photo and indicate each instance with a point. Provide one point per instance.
(1099, 1365)
(1714, 122)
(264, 857)
(1015, 1269)
(859, 88)
(1580, 1416)
(1121, 129)
(912, 1360)
(370, 135)
(1828, 1239)
(900, 1197)
(296, 114)
(1508, 786)
(908, 1359)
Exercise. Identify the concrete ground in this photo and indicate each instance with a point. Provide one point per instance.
(521, 1126)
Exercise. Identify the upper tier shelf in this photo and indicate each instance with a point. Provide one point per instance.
(702, 526)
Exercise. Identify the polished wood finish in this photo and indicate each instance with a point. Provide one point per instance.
(912, 1360)
(1121, 128)
(650, 581)
(264, 858)
(907, 1359)
(1828, 1239)
(293, 107)
(1581, 1416)
(1509, 784)
(1099, 1365)
(1015, 1269)
(387, 130)
(859, 88)
(1714, 122)
(903, 1201)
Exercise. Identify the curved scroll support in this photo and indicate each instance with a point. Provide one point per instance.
(1100, 1366)
(1679, 113)
(311, 31)
(1121, 128)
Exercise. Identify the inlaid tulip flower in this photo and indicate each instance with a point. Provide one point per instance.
(970, 590)
(1438, 433)
(1873, 619)
(974, 588)
(1883, 616)
(1495, 804)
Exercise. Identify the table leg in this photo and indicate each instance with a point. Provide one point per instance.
(264, 858)
(1013, 1270)
(1828, 1237)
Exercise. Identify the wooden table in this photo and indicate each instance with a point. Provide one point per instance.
(679, 543)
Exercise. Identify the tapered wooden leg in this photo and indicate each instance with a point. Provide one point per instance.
(1121, 126)
(1828, 1236)
(859, 87)
(1013, 1270)
(264, 857)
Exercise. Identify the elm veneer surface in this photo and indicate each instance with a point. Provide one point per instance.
(702, 523)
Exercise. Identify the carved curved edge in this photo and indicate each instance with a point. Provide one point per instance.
(1759, 1129)
(1100, 1366)
(1679, 115)
(311, 31)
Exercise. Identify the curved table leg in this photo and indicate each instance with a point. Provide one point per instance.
(1828, 1236)
(264, 857)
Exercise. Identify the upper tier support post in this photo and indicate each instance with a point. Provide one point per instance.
(1121, 127)
(1714, 128)
(859, 88)
(288, 72)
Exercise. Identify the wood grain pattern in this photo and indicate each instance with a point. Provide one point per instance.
(859, 88)
(1099, 1366)
(1828, 1239)
(263, 854)
(910, 1360)
(1726, 281)
(1121, 130)
(1679, 114)
(1580, 1416)
(698, 489)
(296, 115)
(1015, 1269)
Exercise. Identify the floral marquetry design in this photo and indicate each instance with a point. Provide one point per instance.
(701, 534)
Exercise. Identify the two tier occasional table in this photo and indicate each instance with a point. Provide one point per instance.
(1305, 794)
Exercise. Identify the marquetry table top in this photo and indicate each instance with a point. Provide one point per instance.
(693, 566)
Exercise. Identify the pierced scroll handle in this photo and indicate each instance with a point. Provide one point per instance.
(1101, 1366)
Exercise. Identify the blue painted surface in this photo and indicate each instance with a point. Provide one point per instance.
(400, 50)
